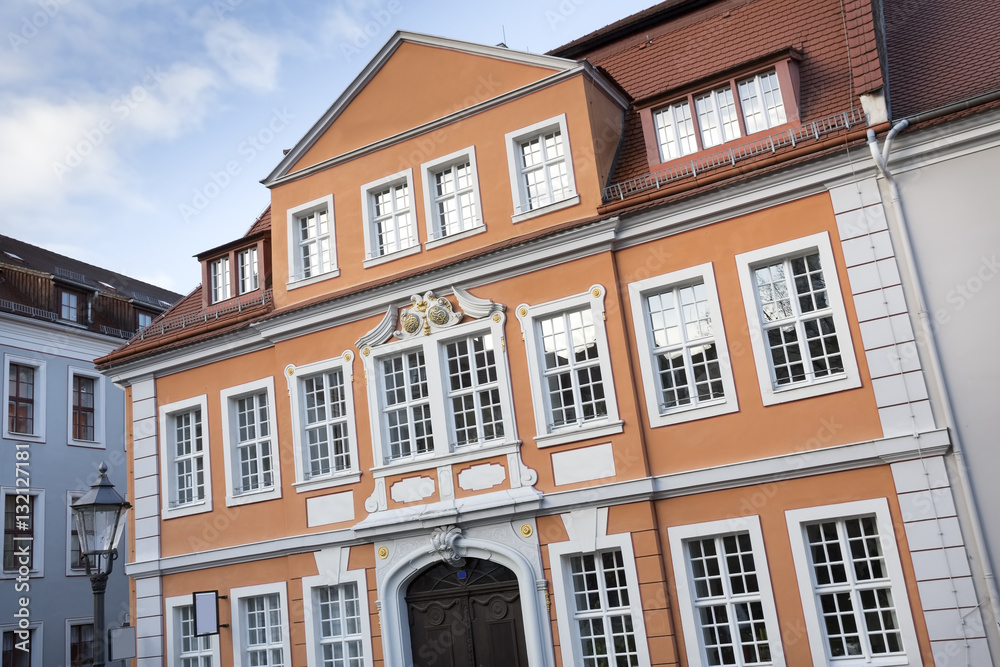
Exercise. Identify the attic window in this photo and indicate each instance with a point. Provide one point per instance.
(72, 306)
(110, 287)
(12, 256)
(723, 111)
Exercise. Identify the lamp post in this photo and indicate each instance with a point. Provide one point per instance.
(99, 516)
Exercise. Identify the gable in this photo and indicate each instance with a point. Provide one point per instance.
(419, 83)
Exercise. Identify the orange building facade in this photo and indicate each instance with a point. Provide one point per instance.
(571, 359)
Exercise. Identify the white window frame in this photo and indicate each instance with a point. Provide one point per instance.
(678, 537)
(228, 398)
(83, 620)
(716, 106)
(336, 575)
(173, 638)
(528, 315)
(745, 263)
(295, 277)
(238, 595)
(220, 279)
(435, 361)
(253, 267)
(39, 400)
(519, 196)
(38, 534)
(167, 477)
(638, 292)
(428, 173)
(879, 507)
(296, 377)
(98, 441)
(756, 79)
(582, 543)
(37, 639)
(372, 256)
(673, 130)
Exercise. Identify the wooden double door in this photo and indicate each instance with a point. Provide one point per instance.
(466, 616)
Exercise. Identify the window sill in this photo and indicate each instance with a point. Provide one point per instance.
(427, 461)
(382, 259)
(33, 574)
(434, 243)
(576, 433)
(295, 284)
(548, 208)
(88, 444)
(272, 493)
(340, 479)
(186, 509)
(25, 437)
(694, 412)
(772, 396)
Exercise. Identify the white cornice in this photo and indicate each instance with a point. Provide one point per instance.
(509, 506)
(560, 65)
(53, 338)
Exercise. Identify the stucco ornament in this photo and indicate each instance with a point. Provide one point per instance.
(427, 313)
(443, 544)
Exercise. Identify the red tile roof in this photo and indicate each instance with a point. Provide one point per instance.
(940, 52)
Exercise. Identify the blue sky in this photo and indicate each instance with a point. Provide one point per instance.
(118, 118)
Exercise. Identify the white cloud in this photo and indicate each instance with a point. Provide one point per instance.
(250, 59)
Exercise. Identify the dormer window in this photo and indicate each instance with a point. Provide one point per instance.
(246, 261)
(703, 119)
(219, 272)
(72, 306)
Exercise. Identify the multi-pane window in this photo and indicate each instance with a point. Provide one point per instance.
(83, 408)
(18, 532)
(797, 320)
(69, 306)
(571, 368)
(455, 199)
(81, 645)
(544, 174)
(263, 644)
(473, 390)
(717, 117)
(726, 595)
(77, 563)
(686, 355)
(406, 408)
(602, 611)
(219, 275)
(675, 131)
(254, 456)
(145, 319)
(326, 439)
(246, 264)
(760, 97)
(21, 399)
(312, 233)
(340, 630)
(853, 589)
(189, 457)
(11, 647)
(392, 219)
(192, 650)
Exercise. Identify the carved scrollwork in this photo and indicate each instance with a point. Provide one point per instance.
(443, 543)
(427, 313)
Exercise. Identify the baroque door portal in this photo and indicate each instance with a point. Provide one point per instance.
(466, 615)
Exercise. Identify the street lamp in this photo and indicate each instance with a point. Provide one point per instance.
(100, 516)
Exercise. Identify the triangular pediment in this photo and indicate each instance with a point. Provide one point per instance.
(416, 80)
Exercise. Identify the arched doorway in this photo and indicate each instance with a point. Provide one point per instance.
(466, 615)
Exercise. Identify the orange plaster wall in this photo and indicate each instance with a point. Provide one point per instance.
(769, 502)
(607, 122)
(755, 431)
(486, 132)
(416, 85)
